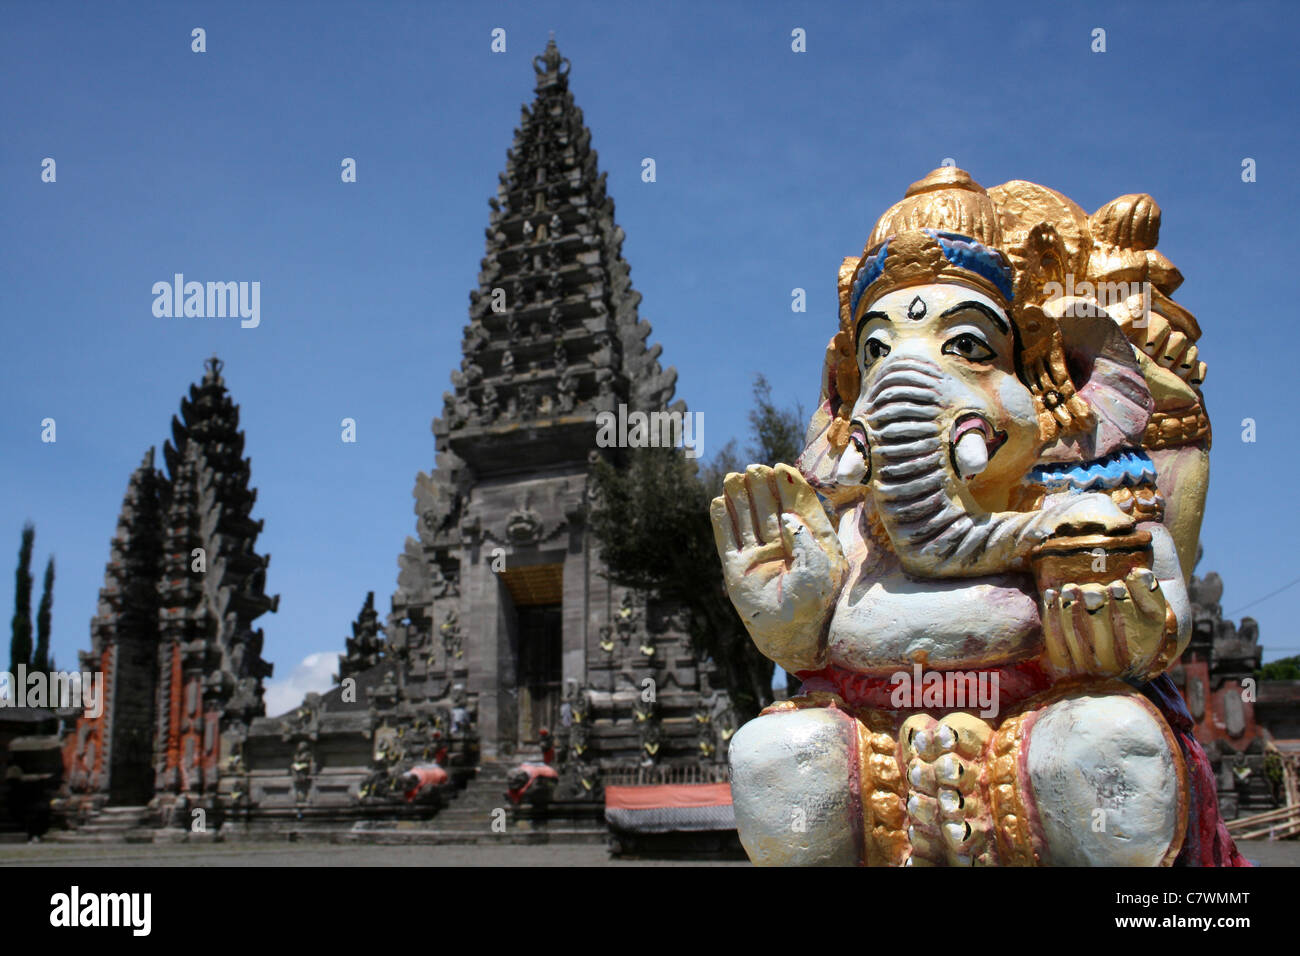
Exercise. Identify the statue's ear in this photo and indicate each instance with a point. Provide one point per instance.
(845, 288)
(1107, 376)
(828, 430)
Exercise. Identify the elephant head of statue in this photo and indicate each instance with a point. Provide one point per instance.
(956, 374)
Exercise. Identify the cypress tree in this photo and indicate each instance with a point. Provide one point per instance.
(41, 658)
(20, 645)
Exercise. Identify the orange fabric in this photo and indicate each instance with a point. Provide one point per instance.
(429, 776)
(669, 795)
(536, 770)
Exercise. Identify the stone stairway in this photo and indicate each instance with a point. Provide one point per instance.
(469, 815)
(111, 825)
(467, 818)
(471, 811)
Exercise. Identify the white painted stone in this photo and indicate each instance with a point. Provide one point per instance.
(1104, 752)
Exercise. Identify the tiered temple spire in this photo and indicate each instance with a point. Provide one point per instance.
(366, 645)
(553, 336)
(213, 589)
(553, 328)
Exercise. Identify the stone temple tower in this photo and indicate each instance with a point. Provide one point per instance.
(506, 642)
(502, 592)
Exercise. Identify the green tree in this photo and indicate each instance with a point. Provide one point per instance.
(20, 644)
(1284, 668)
(778, 432)
(41, 658)
(651, 518)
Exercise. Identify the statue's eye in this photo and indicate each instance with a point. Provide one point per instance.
(970, 347)
(873, 349)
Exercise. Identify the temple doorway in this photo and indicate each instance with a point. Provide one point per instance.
(540, 674)
(537, 594)
(132, 777)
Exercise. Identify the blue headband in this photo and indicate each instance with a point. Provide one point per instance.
(962, 251)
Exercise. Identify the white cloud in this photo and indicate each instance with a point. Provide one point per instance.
(314, 673)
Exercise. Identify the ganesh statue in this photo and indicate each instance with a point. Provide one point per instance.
(978, 566)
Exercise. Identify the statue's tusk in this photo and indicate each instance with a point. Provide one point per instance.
(971, 454)
(854, 467)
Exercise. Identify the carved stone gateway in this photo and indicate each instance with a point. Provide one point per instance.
(174, 630)
(1013, 450)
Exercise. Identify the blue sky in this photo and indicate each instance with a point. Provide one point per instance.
(771, 166)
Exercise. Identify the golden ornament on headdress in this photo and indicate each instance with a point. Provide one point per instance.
(948, 200)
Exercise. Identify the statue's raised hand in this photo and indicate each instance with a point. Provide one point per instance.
(781, 560)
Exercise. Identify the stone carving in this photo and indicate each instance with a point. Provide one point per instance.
(704, 730)
(606, 639)
(302, 768)
(576, 723)
(489, 405)
(452, 638)
(523, 524)
(413, 582)
(302, 723)
(1013, 450)
(470, 375)
(443, 583)
(715, 723)
(645, 714)
(245, 702)
(580, 776)
(528, 403)
(567, 389)
(630, 617)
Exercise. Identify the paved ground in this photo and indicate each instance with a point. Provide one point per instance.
(289, 854)
(1280, 854)
(1274, 853)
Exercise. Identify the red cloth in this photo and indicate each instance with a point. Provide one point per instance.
(653, 796)
(427, 776)
(1016, 683)
(534, 771)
